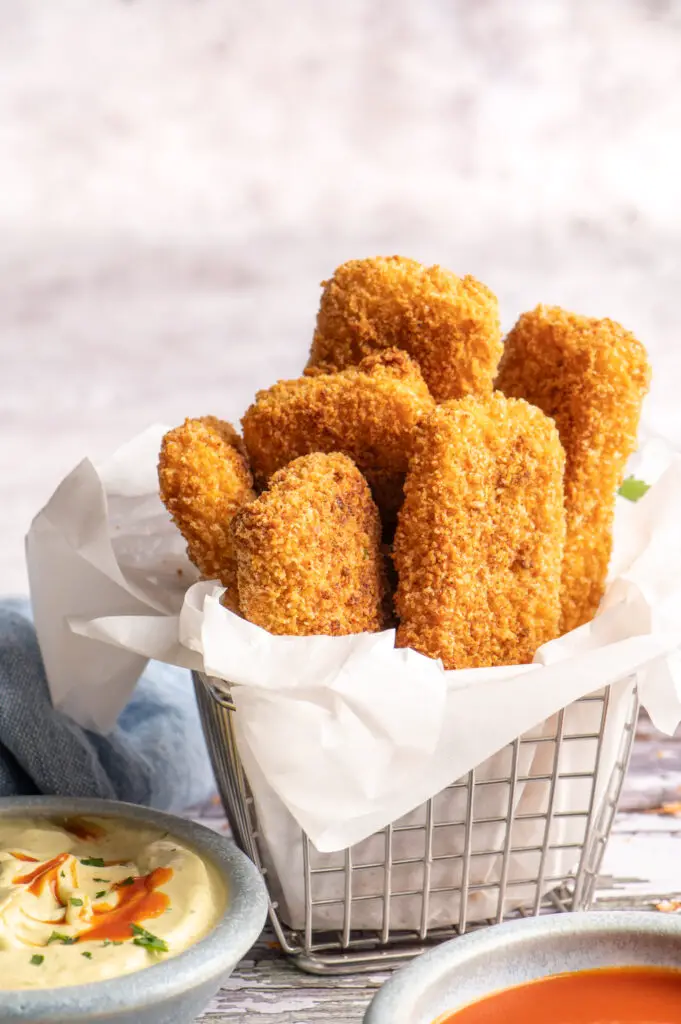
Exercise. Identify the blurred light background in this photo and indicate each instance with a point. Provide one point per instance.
(177, 177)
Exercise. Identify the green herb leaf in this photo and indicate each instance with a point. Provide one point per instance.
(118, 942)
(107, 942)
(633, 489)
(74, 902)
(98, 895)
(66, 940)
(88, 956)
(147, 940)
(107, 881)
(126, 881)
(37, 959)
(63, 874)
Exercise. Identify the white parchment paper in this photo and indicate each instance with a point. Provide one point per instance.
(341, 736)
(527, 873)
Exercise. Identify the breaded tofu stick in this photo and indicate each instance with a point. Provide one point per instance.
(368, 412)
(308, 551)
(479, 541)
(204, 479)
(590, 376)
(448, 324)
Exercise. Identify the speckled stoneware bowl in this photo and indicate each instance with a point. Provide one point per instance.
(463, 970)
(171, 992)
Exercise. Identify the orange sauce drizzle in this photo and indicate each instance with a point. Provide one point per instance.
(43, 875)
(82, 829)
(22, 856)
(138, 901)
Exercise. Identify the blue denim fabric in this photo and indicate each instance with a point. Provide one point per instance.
(155, 756)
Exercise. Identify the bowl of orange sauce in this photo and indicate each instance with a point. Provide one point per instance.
(618, 967)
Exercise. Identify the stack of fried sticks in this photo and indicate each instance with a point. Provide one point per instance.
(420, 472)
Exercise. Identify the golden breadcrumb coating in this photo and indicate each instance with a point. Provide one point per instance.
(368, 412)
(479, 541)
(449, 325)
(204, 479)
(308, 551)
(590, 376)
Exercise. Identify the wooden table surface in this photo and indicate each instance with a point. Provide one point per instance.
(640, 870)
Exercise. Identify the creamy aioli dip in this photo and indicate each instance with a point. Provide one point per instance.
(84, 899)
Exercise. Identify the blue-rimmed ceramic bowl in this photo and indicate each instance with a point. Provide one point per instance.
(176, 990)
(463, 970)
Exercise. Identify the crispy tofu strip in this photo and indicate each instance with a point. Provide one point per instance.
(449, 325)
(204, 478)
(368, 412)
(479, 541)
(590, 377)
(308, 552)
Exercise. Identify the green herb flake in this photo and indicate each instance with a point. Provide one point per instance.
(74, 902)
(107, 942)
(92, 862)
(127, 881)
(633, 489)
(37, 959)
(98, 895)
(106, 881)
(63, 874)
(118, 942)
(147, 940)
(66, 940)
(88, 956)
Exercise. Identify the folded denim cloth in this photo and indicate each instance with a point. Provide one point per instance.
(155, 756)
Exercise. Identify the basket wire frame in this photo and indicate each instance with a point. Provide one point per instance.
(345, 949)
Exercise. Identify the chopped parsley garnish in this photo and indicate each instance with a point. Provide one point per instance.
(147, 940)
(106, 881)
(63, 874)
(92, 862)
(74, 902)
(37, 959)
(98, 895)
(66, 940)
(88, 956)
(127, 881)
(633, 489)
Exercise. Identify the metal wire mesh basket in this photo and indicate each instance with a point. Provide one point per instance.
(523, 834)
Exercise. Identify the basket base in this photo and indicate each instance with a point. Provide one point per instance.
(366, 952)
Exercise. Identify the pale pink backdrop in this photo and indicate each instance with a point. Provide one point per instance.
(177, 176)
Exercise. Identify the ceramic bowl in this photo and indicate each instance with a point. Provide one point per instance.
(171, 992)
(463, 970)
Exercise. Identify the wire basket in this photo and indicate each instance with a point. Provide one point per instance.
(496, 844)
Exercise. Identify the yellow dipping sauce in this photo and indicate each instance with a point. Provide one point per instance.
(85, 899)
